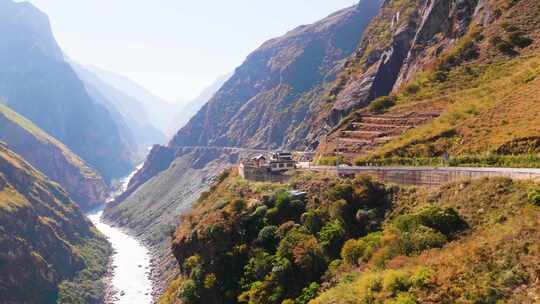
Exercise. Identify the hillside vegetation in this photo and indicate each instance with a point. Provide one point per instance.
(483, 86)
(358, 241)
(50, 252)
(84, 185)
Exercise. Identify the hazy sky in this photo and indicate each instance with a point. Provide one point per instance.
(175, 47)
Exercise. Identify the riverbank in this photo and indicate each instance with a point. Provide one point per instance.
(130, 281)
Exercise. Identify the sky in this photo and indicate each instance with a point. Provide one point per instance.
(175, 48)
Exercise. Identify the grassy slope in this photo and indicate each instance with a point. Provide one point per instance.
(49, 240)
(489, 103)
(495, 261)
(46, 139)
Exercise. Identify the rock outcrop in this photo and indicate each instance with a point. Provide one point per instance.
(403, 39)
(84, 185)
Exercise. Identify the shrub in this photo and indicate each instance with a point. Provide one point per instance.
(382, 103)
(446, 221)
(188, 292)
(396, 281)
(282, 199)
(506, 48)
(404, 298)
(338, 209)
(421, 239)
(281, 266)
(192, 262)
(257, 267)
(440, 76)
(210, 281)
(313, 220)
(422, 277)
(267, 237)
(308, 293)
(352, 251)
(429, 228)
(534, 197)
(238, 205)
(412, 89)
(372, 242)
(291, 240)
(332, 236)
(520, 40)
(309, 257)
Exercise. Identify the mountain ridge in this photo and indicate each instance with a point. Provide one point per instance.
(85, 186)
(37, 82)
(49, 242)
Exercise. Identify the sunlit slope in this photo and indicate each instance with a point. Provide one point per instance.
(54, 159)
(46, 241)
(478, 86)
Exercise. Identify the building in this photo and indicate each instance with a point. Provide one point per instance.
(263, 168)
(282, 161)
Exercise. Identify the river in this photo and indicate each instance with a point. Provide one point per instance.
(130, 261)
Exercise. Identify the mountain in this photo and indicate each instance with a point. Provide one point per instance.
(426, 82)
(50, 252)
(460, 91)
(129, 113)
(84, 185)
(159, 111)
(268, 96)
(192, 107)
(37, 82)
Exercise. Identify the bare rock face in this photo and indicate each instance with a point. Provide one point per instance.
(84, 185)
(403, 39)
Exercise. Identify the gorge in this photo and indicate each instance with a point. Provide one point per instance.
(421, 84)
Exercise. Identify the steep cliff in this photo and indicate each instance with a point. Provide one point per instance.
(464, 87)
(84, 185)
(47, 242)
(270, 97)
(37, 82)
(404, 38)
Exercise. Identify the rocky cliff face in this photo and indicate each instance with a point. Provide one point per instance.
(403, 39)
(450, 51)
(42, 235)
(37, 82)
(268, 100)
(84, 185)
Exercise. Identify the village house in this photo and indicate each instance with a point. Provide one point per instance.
(267, 168)
(282, 161)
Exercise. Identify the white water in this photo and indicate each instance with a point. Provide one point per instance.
(130, 262)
